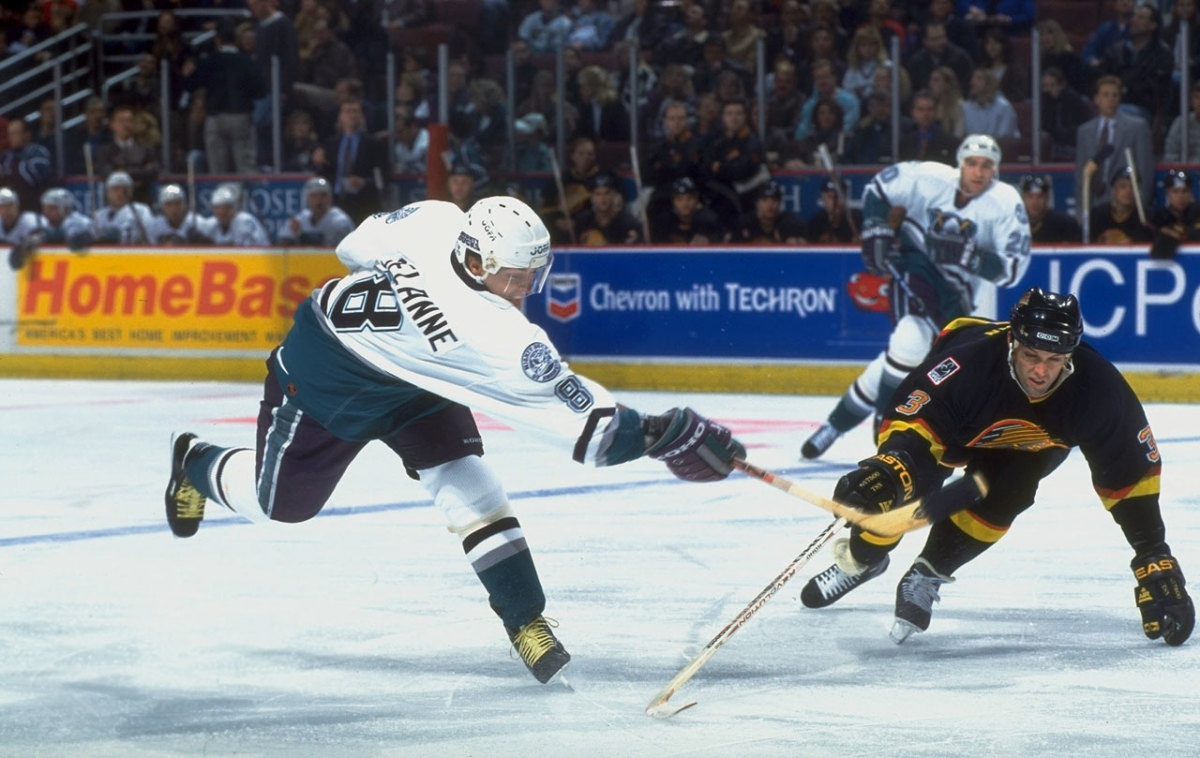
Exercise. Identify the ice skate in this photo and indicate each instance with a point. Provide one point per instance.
(844, 575)
(820, 441)
(543, 654)
(915, 596)
(185, 504)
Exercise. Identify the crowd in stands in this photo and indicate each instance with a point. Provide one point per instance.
(828, 75)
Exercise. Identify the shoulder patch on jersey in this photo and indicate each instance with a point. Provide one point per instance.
(943, 371)
(539, 364)
(396, 215)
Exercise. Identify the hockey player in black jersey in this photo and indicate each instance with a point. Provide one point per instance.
(1047, 225)
(1007, 401)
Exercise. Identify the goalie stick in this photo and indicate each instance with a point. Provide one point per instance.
(659, 708)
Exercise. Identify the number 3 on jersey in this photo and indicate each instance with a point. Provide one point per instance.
(913, 404)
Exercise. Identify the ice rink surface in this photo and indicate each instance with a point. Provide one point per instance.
(364, 632)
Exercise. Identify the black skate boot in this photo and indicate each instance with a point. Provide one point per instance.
(844, 575)
(820, 441)
(185, 504)
(543, 654)
(915, 596)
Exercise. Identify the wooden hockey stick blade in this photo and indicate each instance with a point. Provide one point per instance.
(659, 708)
(891, 523)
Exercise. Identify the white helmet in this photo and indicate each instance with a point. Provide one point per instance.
(8, 197)
(119, 179)
(227, 194)
(169, 193)
(506, 233)
(59, 198)
(317, 184)
(978, 145)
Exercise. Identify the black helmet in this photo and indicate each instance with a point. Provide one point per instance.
(1047, 321)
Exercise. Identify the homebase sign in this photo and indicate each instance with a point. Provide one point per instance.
(748, 304)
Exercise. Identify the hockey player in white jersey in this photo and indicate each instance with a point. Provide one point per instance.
(231, 226)
(944, 235)
(61, 224)
(424, 328)
(17, 228)
(321, 222)
(175, 225)
(123, 221)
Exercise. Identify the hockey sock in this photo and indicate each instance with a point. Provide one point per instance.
(869, 549)
(948, 547)
(212, 468)
(848, 413)
(502, 561)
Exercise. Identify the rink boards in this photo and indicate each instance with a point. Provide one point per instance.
(686, 318)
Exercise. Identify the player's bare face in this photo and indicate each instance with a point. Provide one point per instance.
(53, 214)
(1037, 371)
(174, 210)
(223, 213)
(9, 213)
(977, 174)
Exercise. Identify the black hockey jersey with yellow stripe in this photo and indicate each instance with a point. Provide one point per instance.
(964, 398)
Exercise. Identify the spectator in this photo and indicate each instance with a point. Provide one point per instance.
(591, 27)
(1143, 63)
(355, 163)
(460, 185)
(491, 118)
(742, 36)
(299, 142)
(1057, 53)
(1063, 111)
(827, 14)
(25, 167)
(175, 224)
(1179, 220)
(170, 46)
(412, 143)
(545, 29)
(229, 225)
(1110, 33)
(677, 156)
(1119, 130)
(943, 83)
(123, 220)
(1047, 225)
(411, 92)
(231, 84)
(47, 133)
(788, 39)
(143, 89)
(607, 221)
(879, 18)
(95, 134)
(938, 52)
(320, 222)
(1115, 221)
(768, 223)
(735, 160)
(822, 48)
(958, 31)
(715, 65)
(352, 89)
(124, 153)
(783, 107)
(825, 87)
(674, 85)
(1173, 150)
(1009, 16)
(61, 224)
(987, 111)
(602, 116)
(927, 140)
(524, 69)
(871, 141)
(708, 119)
(405, 14)
(686, 220)
(1010, 76)
(1184, 10)
(577, 182)
(274, 37)
(833, 222)
(685, 46)
(883, 81)
(305, 20)
(543, 98)
(329, 60)
(865, 57)
(532, 153)
(828, 130)
(459, 96)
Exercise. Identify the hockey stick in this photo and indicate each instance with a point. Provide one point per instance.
(659, 708)
(827, 162)
(895, 522)
(637, 180)
(562, 195)
(1137, 186)
(90, 168)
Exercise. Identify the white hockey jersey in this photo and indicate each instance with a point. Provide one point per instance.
(21, 231)
(244, 230)
(995, 219)
(411, 312)
(76, 229)
(328, 230)
(162, 231)
(128, 225)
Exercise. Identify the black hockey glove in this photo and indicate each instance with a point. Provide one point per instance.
(879, 248)
(1167, 610)
(952, 250)
(693, 447)
(20, 254)
(879, 483)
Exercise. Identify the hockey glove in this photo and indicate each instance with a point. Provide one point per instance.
(879, 248)
(693, 447)
(952, 250)
(1167, 610)
(879, 483)
(20, 254)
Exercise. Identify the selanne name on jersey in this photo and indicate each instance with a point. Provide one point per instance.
(424, 312)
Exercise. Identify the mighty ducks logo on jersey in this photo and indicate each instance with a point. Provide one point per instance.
(539, 363)
(1016, 434)
(949, 237)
